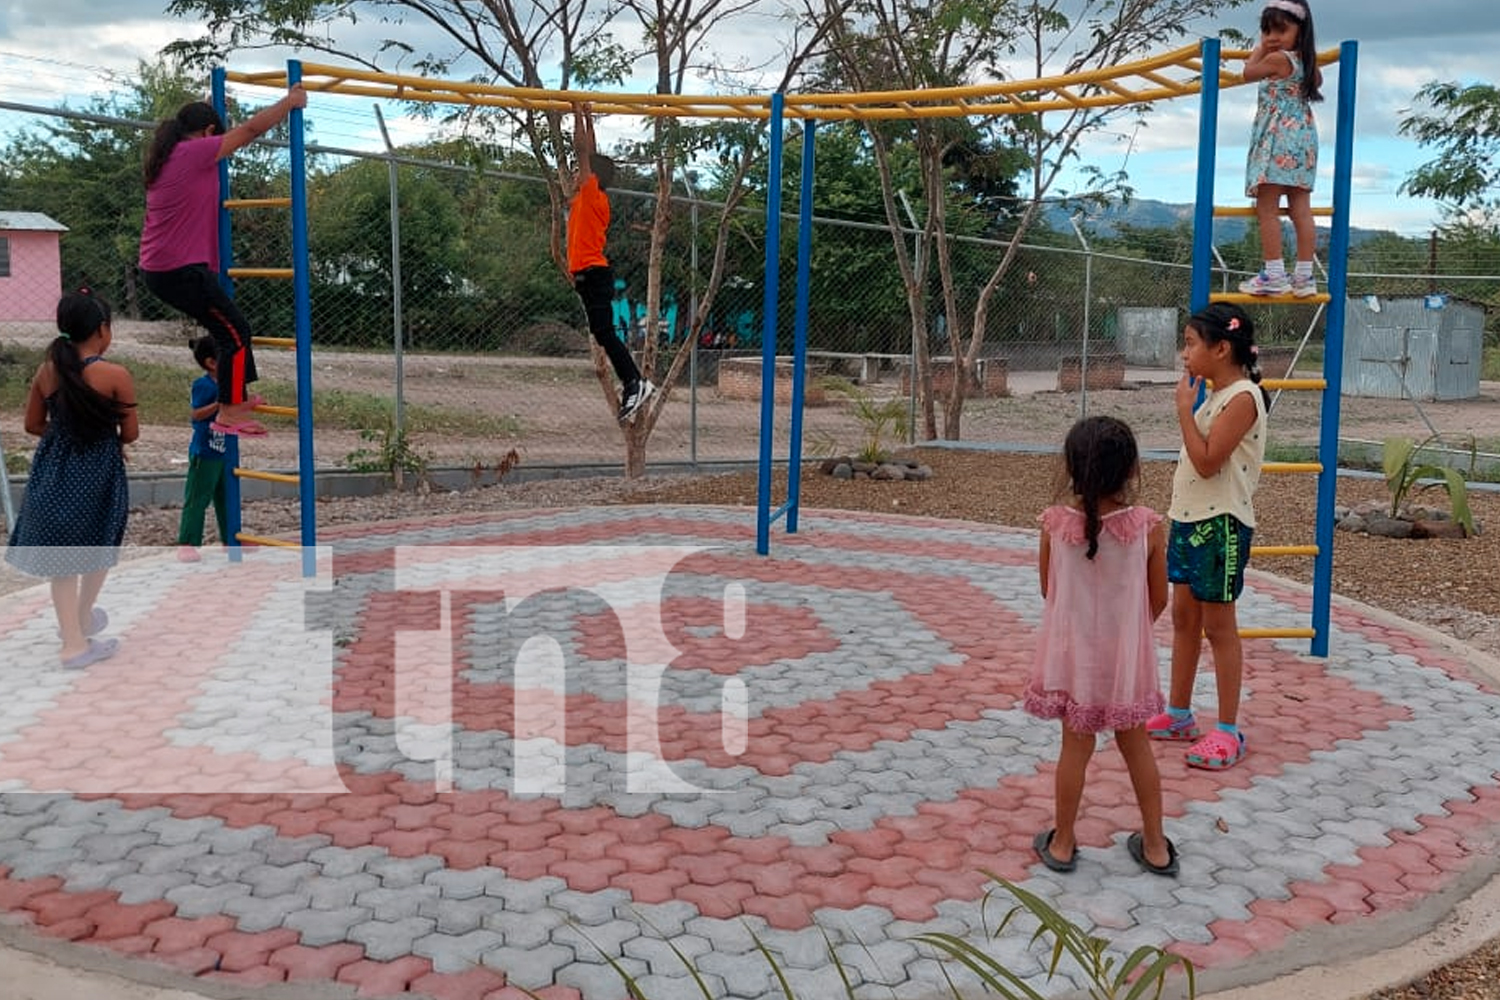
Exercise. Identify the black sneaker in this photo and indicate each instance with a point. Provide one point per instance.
(635, 398)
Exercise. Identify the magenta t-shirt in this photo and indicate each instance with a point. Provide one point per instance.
(182, 208)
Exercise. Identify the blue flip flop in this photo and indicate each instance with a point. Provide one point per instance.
(98, 622)
(99, 649)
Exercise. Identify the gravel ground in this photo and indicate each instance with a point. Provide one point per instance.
(1437, 584)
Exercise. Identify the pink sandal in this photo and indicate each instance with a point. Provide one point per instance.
(1217, 751)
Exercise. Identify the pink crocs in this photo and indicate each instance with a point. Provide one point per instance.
(1217, 751)
(1166, 726)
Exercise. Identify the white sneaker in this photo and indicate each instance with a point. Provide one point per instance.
(635, 398)
(1265, 284)
(1304, 287)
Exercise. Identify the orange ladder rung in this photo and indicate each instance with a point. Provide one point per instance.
(278, 411)
(1246, 299)
(1226, 211)
(1278, 633)
(286, 273)
(257, 203)
(288, 342)
(1283, 550)
(279, 543)
(1290, 468)
(271, 477)
(1295, 384)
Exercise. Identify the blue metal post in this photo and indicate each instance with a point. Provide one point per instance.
(302, 313)
(799, 348)
(768, 333)
(1203, 207)
(1333, 344)
(232, 498)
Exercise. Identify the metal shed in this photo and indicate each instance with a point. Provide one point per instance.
(1417, 347)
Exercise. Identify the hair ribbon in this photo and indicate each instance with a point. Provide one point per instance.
(1291, 7)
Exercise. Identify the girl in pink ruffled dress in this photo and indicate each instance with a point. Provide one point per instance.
(1103, 568)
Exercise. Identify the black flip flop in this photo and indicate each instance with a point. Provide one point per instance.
(1042, 844)
(1136, 844)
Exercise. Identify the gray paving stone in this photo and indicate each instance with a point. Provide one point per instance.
(164, 857)
(862, 923)
(394, 904)
(657, 953)
(729, 937)
(388, 940)
(606, 939)
(194, 901)
(139, 887)
(1226, 901)
(264, 913)
(217, 869)
(337, 861)
(529, 896)
(590, 909)
(680, 987)
(663, 920)
(525, 930)
(52, 837)
(277, 880)
(456, 953)
(598, 979)
(86, 876)
(401, 873)
(459, 916)
(290, 850)
(235, 840)
(530, 968)
(878, 962)
(453, 883)
(326, 893)
(29, 863)
(327, 926)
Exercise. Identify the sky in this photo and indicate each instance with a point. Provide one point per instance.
(70, 50)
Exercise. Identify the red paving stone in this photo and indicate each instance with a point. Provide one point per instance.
(910, 864)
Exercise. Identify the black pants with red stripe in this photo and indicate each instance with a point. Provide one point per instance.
(196, 291)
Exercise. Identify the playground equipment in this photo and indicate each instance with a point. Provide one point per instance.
(1194, 69)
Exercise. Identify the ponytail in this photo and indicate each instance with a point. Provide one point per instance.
(90, 415)
(193, 117)
(1225, 321)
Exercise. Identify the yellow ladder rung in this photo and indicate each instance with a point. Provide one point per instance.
(262, 272)
(279, 543)
(1287, 468)
(1227, 211)
(283, 477)
(279, 411)
(1283, 550)
(1294, 384)
(1278, 633)
(288, 342)
(257, 203)
(1246, 299)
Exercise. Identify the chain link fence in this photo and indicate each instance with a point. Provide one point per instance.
(480, 348)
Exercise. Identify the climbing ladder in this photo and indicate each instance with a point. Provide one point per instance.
(300, 342)
(1326, 465)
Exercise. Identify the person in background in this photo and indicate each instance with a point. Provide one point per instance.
(205, 478)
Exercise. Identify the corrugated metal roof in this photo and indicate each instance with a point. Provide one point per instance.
(30, 221)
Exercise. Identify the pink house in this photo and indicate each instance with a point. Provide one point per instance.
(30, 266)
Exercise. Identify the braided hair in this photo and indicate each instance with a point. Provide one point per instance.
(1225, 321)
(1101, 461)
(90, 415)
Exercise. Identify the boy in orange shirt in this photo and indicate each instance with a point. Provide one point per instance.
(593, 278)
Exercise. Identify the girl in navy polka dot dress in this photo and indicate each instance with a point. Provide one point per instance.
(72, 517)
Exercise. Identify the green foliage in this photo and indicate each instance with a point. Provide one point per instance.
(392, 454)
(879, 418)
(1403, 473)
(1463, 123)
(1143, 973)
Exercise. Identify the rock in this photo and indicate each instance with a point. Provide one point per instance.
(1352, 522)
(865, 467)
(889, 471)
(843, 470)
(1437, 529)
(828, 465)
(920, 474)
(1386, 526)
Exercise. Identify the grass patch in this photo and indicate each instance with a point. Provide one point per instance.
(162, 398)
(1490, 365)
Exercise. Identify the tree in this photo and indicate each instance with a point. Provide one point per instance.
(1463, 124)
(508, 40)
(909, 45)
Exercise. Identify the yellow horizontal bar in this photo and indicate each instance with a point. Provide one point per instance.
(277, 411)
(1277, 633)
(279, 543)
(1283, 550)
(1288, 468)
(1226, 211)
(261, 272)
(1295, 384)
(257, 203)
(288, 342)
(283, 477)
(1246, 299)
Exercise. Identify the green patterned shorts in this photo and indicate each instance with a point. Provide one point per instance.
(1210, 557)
